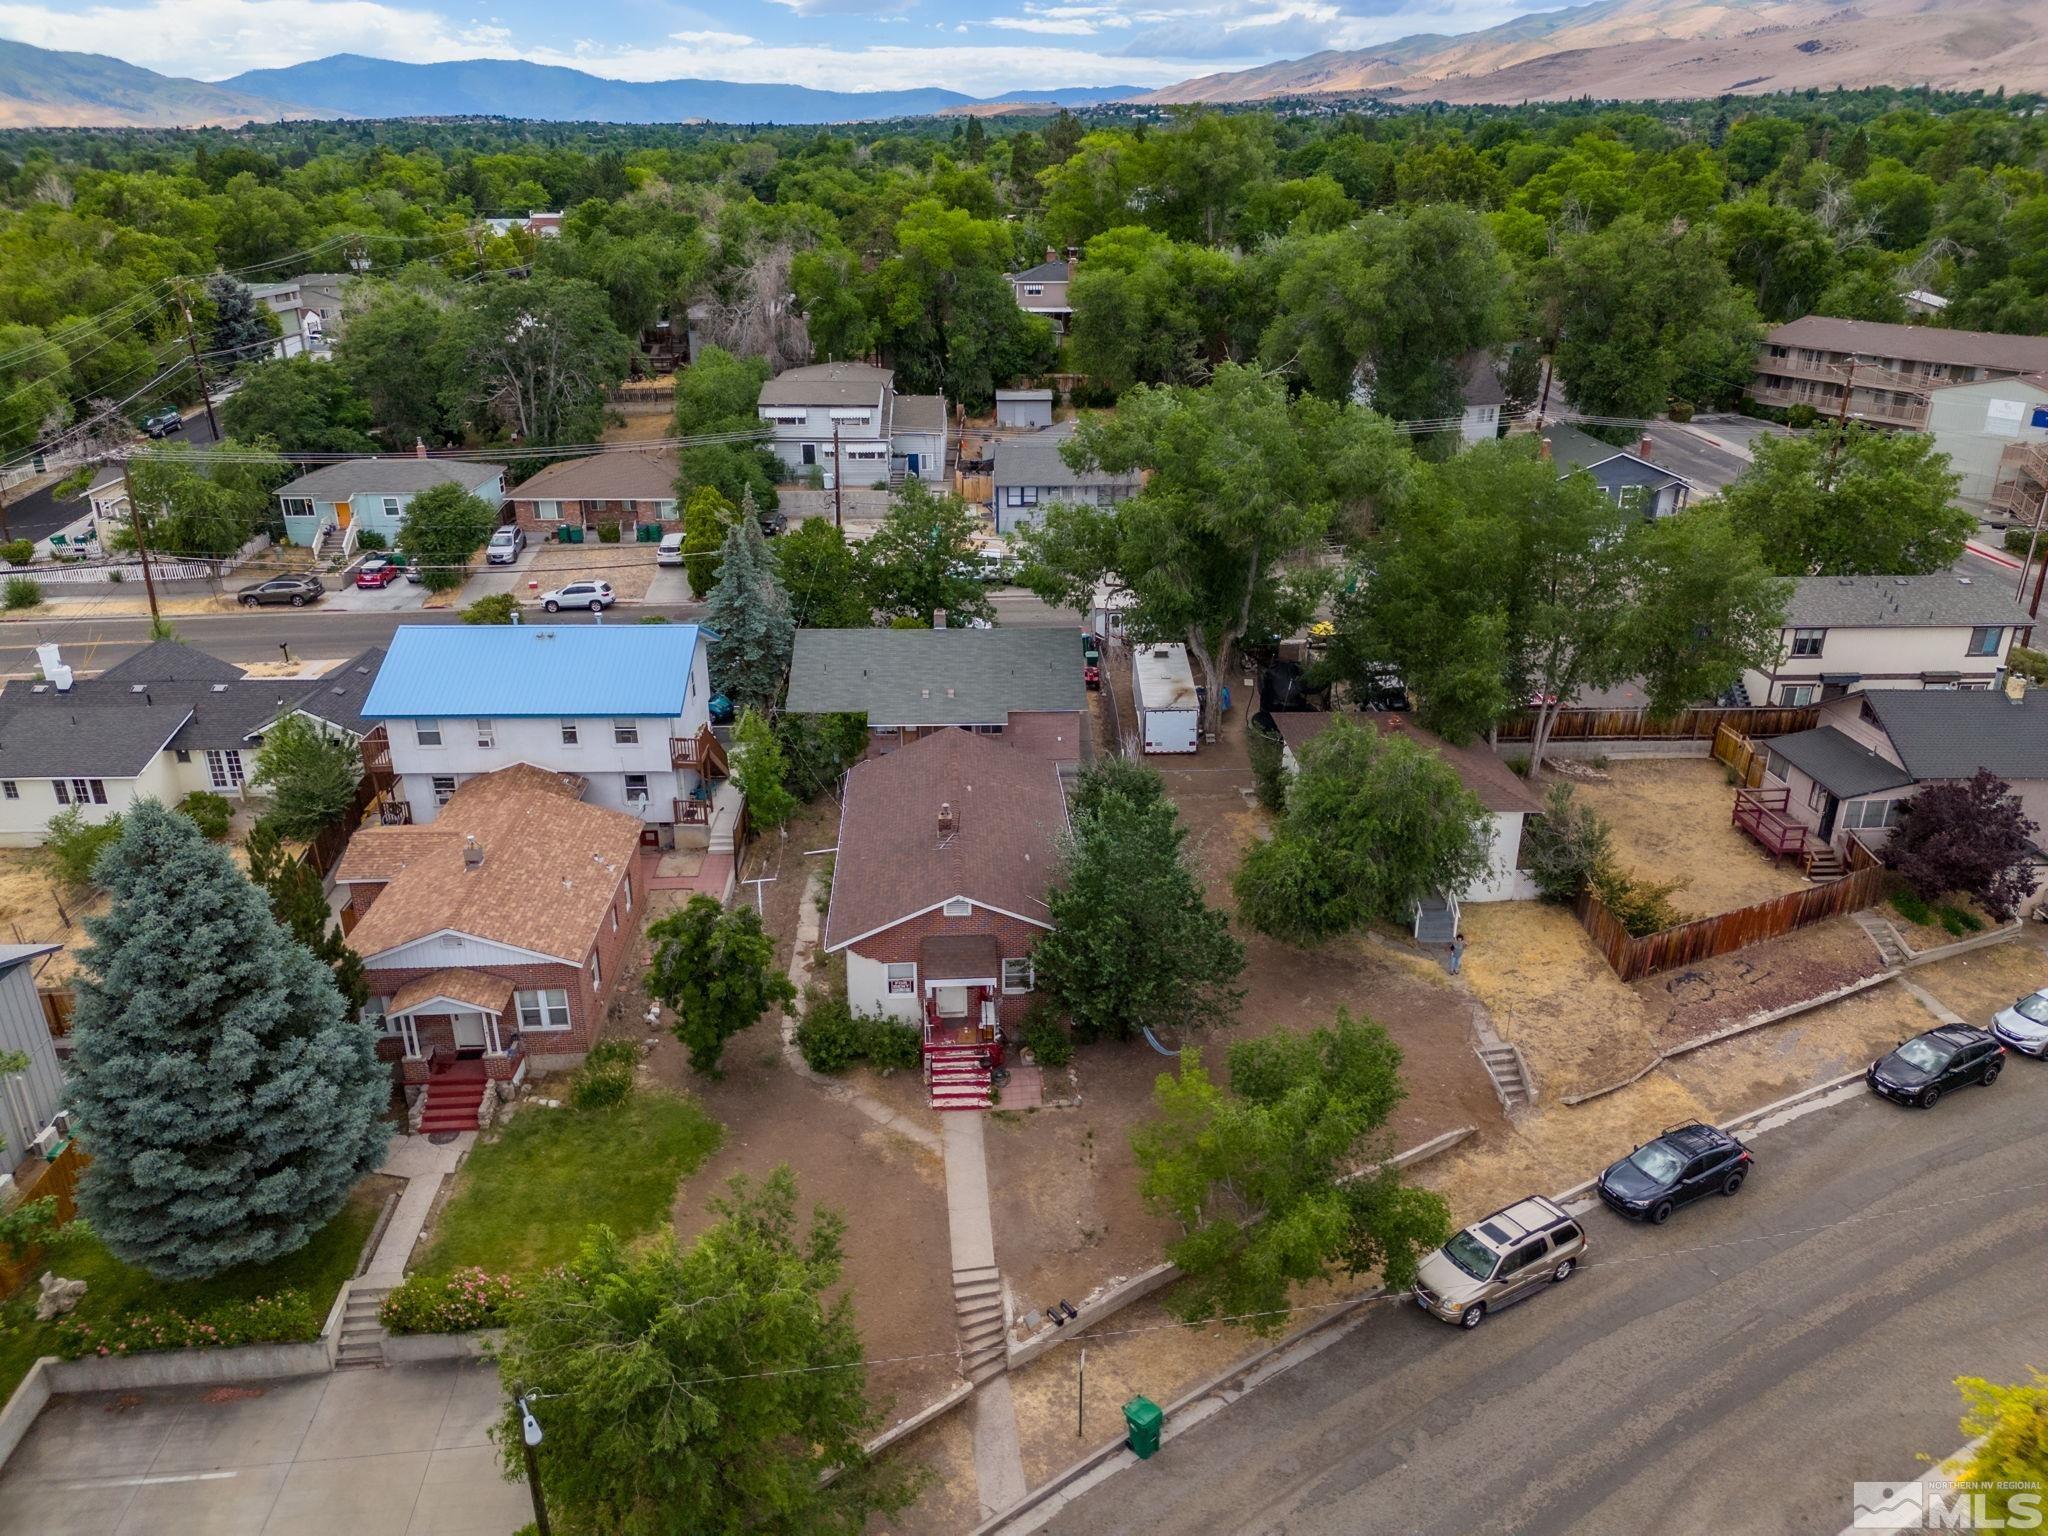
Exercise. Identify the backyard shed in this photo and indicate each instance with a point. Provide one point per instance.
(28, 1097)
(1169, 710)
(1023, 407)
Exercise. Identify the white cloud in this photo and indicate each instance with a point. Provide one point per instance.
(715, 39)
(978, 70)
(1053, 26)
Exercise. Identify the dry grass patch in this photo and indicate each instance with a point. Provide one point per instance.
(1671, 822)
(32, 912)
(1735, 1076)
(1978, 984)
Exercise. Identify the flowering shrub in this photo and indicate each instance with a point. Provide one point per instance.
(457, 1303)
(284, 1318)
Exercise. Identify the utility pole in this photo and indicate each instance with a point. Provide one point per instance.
(530, 1434)
(140, 523)
(192, 345)
(837, 520)
(1841, 418)
(2019, 590)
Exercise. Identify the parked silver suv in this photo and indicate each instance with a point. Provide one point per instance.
(1499, 1261)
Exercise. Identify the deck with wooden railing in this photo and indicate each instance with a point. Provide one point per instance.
(1766, 815)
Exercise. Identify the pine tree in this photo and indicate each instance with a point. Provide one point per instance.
(299, 902)
(749, 617)
(240, 325)
(228, 1098)
(761, 772)
(705, 516)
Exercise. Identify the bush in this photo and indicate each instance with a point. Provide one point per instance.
(20, 592)
(828, 1036)
(605, 1080)
(1567, 846)
(1518, 765)
(1801, 416)
(212, 812)
(72, 846)
(1681, 411)
(1643, 907)
(1910, 906)
(281, 1319)
(1958, 921)
(498, 608)
(75, 484)
(2017, 541)
(889, 1043)
(460, 1302)
(1269, 770)
(2032, 665)
(18, 551)
(1047, 1039)
(370, 541)
(607, 533)
(117, 576)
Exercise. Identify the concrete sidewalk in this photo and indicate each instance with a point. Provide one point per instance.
(423, 1166)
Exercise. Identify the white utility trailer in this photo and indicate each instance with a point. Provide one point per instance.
(1169, 710)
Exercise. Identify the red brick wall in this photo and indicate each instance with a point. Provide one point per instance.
(592, 514)
(1014, 938)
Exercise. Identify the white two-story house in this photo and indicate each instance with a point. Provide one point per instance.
(846, 420)
(1845, 634)
(625, 708)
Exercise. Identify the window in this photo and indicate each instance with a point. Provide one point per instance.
(1808, 642)
(625, 733)
(1817, 796)
(1984, 640)
(1033, 290)
(375, 1013)
(224, 769)
(84, 792)
(1521, 1258)
(1023, 495)
(1017, 975)
(427, 732)
(1869, 815)
(636, 787)
(547, 511)
(901, 978)
(296, 506)
(959, 906)
(63, 794)
(7, 788)
(629, 896)
(568, 733)
(486, 734)
(615, 919)
(1797, 694)
(1564, 1234)
(444, 788)
(596, 974)
(391, 507)
(546, 1008)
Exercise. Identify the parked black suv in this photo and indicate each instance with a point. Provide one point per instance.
(1925, 1067)
(1680, 1166)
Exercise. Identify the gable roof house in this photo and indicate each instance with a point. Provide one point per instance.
(847, 419)
(946, 852)
(1042, 290)
(1846, 633)
(331, 507)
(1623, 474)
(1022, 686)
(1484, 398)
(1031, 474)
(605, 489)
(497, 936)
(1868, 751)
(166, 722)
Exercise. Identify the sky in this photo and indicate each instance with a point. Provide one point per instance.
(982, 47)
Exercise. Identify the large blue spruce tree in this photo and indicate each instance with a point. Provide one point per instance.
(228, 1098)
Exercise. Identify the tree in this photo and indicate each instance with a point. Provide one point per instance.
(1566, 847)
(241, 326)
(1373, 824)
(229, 1098)
(1706, 608)
(299, 903)
(1972, 837)
(1282, 1179)
(2008, 1430)
(399, 351)
(716, 972)
(444, 526)
(207, 504)
(706, 517)
(493, 608)
(72, 847)
(920, 561)
(822, 575)
(303, 405)
(748, 615)
(760, 772)
(539, 357)
(1150, 310)
(702, 1389)
(1133, 945)
(1854, 502)
(1242, 479)
(313, 772)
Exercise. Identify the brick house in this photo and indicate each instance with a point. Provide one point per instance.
(604, 490)
(946, 851)
(494, 937)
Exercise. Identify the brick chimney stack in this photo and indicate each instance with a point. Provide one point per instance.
(1646, 450)
(2016, 687)
(419, 448)
(472, 853)
(949, 820)
(938, 618)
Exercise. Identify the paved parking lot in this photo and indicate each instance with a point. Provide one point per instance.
(398, 1452)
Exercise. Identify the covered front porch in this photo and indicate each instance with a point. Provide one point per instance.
(961, 975)
(456, 1042)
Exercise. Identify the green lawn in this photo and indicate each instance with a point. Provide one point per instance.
(525, 1197)
(115, 1289)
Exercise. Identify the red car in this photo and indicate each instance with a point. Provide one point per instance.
(376, 573)
(1091, 660)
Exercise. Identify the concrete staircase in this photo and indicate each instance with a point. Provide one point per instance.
(452, 1102)
(1510, 1074)
(726, 805)
(362, 1336)
(978, 1312)
(1890, 948)
(958, 1076)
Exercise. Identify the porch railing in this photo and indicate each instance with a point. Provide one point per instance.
(703, 752)
(1766, 815)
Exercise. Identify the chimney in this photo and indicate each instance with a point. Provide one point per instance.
(1051, 254)
(1543, 449)
(2016, 687)
(419, 448)
(949, 823)
(938, 618)
(472, 852)
(1646, 450)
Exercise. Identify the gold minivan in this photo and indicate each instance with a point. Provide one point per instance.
(1497, 1262)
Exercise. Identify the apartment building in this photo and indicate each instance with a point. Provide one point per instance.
(1891, 371)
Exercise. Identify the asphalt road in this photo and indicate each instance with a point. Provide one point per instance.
(40, 514)
(1734, 1371)
(92, 645)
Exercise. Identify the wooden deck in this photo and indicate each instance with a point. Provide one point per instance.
(1765, 814)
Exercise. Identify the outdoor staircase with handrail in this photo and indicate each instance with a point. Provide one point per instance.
(362, 1335)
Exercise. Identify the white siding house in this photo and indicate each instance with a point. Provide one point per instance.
(28, 1098)
(846, 420)
(1845, 634)
(341, 502)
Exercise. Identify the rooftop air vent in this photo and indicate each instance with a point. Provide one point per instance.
(220, 687)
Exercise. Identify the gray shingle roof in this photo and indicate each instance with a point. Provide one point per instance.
(1044, 272)
(1883, 602)
(338, 697)
(1034, 459)
(902, 677)
(1944, 733)
(1838, 762)
(79, 740)
(394, 475)
(1480, 385)
(918, 413)
(1609, 465)
(828, 384)
(1914, 343)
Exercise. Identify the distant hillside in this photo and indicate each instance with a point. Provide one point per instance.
(1675, 49)
(40, 88)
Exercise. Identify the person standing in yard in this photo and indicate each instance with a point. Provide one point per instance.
(1457, 952)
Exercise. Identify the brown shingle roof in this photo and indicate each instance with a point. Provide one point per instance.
(460, 984)
(959, 957)
(551, 869)
(1915, 343)
(649, 476)
(1497, 785)
(891, 864)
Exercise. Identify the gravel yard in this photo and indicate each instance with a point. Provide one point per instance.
(1697, 1000)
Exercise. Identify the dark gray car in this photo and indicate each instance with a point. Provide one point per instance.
(292, 591)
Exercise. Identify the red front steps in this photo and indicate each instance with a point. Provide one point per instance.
(452, 1102)
(958, 1076)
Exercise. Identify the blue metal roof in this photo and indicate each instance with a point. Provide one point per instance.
(502, 670)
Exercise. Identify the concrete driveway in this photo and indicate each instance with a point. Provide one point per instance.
(401, 596)
(397, 1452)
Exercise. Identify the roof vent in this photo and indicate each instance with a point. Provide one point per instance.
(40, 688)
(1962, 581)
(220, 687)
(138, 687)
(473, 853)
(1902, 581)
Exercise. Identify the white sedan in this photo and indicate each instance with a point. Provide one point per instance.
(2024, 1026)
(594, 595)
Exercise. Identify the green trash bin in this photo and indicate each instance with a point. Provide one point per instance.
(1142, 1421)
(573, 535)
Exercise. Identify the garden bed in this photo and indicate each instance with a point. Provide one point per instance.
(118, 1293)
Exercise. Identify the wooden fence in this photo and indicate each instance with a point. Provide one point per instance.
(57, 1005)
(1640, 725)
(1743, 756)
(58, 1179)
(1633, 958)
